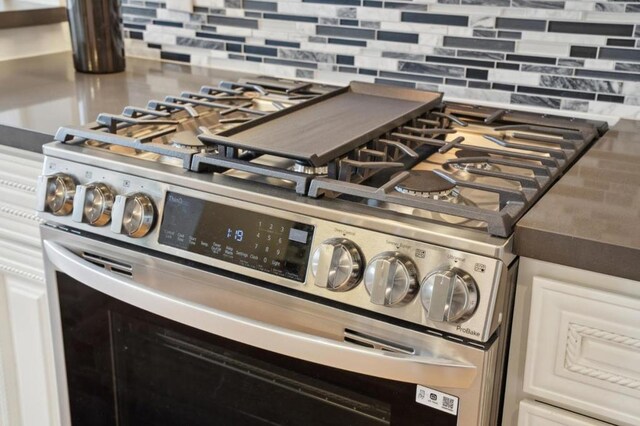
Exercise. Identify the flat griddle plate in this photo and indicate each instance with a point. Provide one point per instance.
(340, 122)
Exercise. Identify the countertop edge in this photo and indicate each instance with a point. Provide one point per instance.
(25, 139)
(619, 261)
(32, 17)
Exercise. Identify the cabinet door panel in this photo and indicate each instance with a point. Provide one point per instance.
(583, 350)
(533, 413)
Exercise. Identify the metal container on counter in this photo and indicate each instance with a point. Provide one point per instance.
(96, 37)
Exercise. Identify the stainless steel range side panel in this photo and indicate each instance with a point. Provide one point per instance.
(488, 273)
(283, 323)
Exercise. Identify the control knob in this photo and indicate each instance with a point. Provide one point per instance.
(337, 264)
(133, 215)
(56, 193)
(449, 295)
(93, 203)
(391, 279)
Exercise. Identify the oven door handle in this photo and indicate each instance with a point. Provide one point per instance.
(418, 369)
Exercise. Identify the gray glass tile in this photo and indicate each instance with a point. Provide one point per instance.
(435, 18)
(455, 82)
(484, 33)
(216, 36)
(475, 84)
(477, 74)
(347, 42)
(505, 87)
(556, 92)
(233, 22)
(521, 24)
(283, 17)
(483, 44)
(514, 35)
(281, 43)
(481, 55)
(621, 42)
(397, 37)
(405, 6)
(583, 52)
(611, 98)
(260, 5)
(345, 32)
(590, 28)
(533, 59)
(260, 50)
(610, 75)
(632, 55)
(344, 60)
(570, 62)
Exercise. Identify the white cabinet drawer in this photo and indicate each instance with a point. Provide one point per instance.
(583, 350)
(533, 413)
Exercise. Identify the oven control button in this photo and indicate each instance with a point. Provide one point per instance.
(391, 278)
(93, 203)
(449, 295)
(55, 194)
(133, 215)
(337, 265)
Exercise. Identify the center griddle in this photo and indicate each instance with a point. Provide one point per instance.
(322, 130)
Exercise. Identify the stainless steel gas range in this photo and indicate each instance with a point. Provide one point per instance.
(278, 252)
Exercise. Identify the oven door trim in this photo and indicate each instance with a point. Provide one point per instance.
(438, 363)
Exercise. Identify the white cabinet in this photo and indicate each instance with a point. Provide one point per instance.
(575, 345)
(534, 413)
(27, 377)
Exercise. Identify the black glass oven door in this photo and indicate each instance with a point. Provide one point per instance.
(126, 366)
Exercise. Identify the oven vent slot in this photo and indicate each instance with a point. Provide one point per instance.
(109, 264)
(373, 342)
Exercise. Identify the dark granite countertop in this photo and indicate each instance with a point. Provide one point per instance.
(42, 93)
(591, 218)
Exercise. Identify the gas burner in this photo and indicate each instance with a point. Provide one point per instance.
(186, 139)
(425, 183)
(309, 170)
(464, 167)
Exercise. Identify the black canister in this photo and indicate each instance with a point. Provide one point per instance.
(96, 37)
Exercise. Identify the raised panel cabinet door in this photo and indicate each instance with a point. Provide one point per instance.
(583, 350)
(532, 413)
(32, 349)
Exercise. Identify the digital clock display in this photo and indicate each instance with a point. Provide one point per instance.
(246, 238)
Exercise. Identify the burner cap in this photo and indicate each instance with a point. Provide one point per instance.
(467, 153)
(186, 139)
(425, 183)
(307, 169)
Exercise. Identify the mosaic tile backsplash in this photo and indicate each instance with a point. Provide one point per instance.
(577, 55)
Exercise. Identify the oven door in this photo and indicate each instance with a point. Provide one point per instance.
(141, 339)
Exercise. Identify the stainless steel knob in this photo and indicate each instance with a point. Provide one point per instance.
(56, 193)
(337, 264)
(133, 214)
(93, 203)
(449, 295)
(391, 278)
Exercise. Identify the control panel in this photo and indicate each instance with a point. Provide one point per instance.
(443, 289)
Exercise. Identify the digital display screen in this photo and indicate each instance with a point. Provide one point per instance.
(246, 238)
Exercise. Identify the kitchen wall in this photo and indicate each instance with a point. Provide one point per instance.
(577, 55)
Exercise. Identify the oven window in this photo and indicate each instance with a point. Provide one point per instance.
(126, 366)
